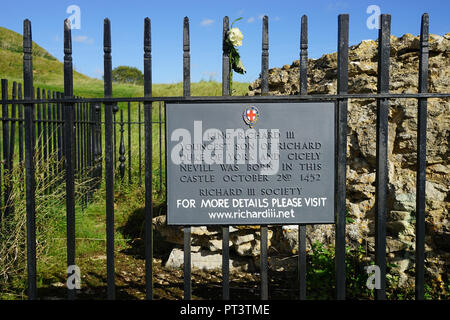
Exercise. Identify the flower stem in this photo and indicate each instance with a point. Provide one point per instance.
(231, 78)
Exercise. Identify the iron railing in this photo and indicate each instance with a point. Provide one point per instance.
(85, 113)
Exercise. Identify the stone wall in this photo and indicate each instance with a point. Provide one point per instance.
(361, 156)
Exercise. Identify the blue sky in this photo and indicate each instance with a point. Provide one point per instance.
(127, 21)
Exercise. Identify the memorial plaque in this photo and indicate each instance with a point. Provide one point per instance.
(250, 163)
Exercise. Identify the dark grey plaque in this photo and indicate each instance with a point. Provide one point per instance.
(217, 154)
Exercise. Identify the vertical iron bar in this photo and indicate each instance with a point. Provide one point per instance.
(85, 149)
(421, 159)
(82, 146)
(39, 127)
(226, 263)
(115, 139)
(121, 149)
(29, 161)
(109, 173)
(69, 151)
(148, 128)
(98, 145)
(186, 59)
(91, 149)
(12, 136)
(129, 143)
(160, 149)
(264, 91)
(94, 144)
(139, 135)
(50, 128)
(83, 139)
(75, 137)
(86, 137)
(55, 134)
(1, 184)
(382, 153)
(225, 58)
(303, 87)
(304, 56)
(340, 187)
(78, 138)
(59, 116)
(265, 57)
(302, 261)
(87, 125)
(264, 264)
(186, 93)
(34, 123)
(225, 229)
(44, 140)
(88, 151)
(165, 152)
(187, 263)
(19, 96)
(5, 143)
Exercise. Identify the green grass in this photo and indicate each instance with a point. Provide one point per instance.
(90, 220)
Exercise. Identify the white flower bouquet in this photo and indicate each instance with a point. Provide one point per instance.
(234, 39)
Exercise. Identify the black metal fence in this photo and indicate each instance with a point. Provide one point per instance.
(85, 113)
(48, 139)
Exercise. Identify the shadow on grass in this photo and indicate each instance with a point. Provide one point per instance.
(134, 228)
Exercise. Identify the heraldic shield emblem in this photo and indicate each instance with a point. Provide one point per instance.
(250, 115)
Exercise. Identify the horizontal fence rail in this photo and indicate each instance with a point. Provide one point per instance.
(90, 141)
(296, 98)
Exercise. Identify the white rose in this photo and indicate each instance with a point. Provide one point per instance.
(235, 36)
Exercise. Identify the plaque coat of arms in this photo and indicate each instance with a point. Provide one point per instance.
(250, 116)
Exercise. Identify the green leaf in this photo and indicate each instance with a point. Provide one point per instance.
(235, 59)
(235, 21)
(349, 220)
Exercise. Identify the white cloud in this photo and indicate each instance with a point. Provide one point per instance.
(337, 6)
(83, 39)
(80, 38)
(277, 18)
(207, 22)
(251, 19)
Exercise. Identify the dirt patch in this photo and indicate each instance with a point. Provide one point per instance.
(167, 283)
